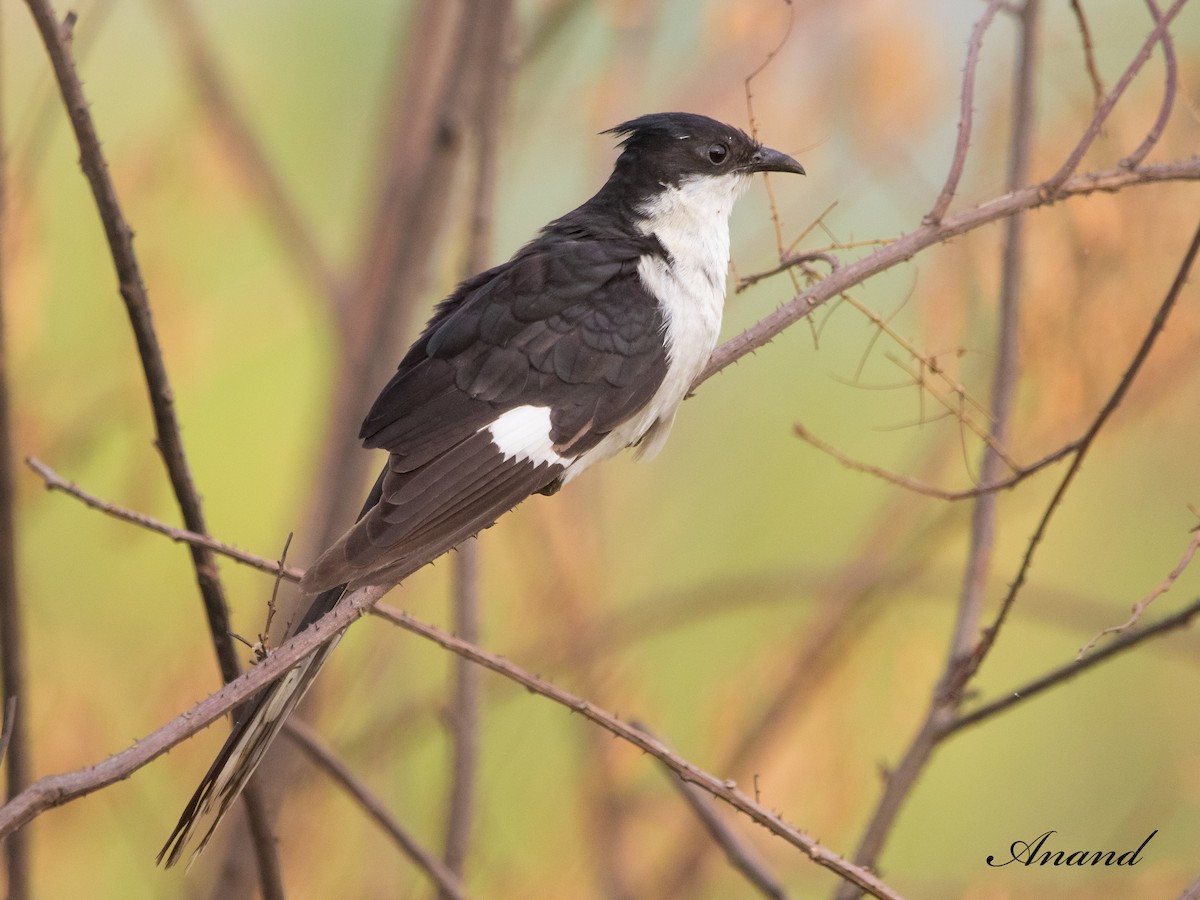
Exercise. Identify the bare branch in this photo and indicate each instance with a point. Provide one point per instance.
(723, 790)
(983, 513)
(55, 790)
(329, 763)
(491, 47)
(56, 482)
(1052, 184)
(1141, 605)
(966, 115)
(57, 40)
(971, 665)
(739, 856)
(1089, 55)
(1168, 101)
(14, 740)
(137, 304)
(1125, 642)
(909, 245)
(928, 490)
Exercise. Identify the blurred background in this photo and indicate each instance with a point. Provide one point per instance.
(775, 617)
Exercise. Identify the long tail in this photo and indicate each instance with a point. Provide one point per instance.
(253, 733)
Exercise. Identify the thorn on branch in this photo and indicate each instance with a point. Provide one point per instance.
(67, 28)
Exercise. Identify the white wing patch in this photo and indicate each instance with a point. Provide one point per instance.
(523, 433)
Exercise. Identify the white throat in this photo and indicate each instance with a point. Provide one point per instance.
(691, 222)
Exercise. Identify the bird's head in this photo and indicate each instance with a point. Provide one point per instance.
(664, 152)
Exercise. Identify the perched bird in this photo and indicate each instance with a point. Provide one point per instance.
(583, 344)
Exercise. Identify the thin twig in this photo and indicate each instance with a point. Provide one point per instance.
(1125, 642)
(723, 790)
(1140, 607)
(169, 441)
(904, 248)
(1168, 100)
(789, 261)
(929, 490)
(328, 762)
(965, 116)
(55, 790)
(1089, 55)
(56, 482)
(137, 304)
(739, 856)
(898, 786)
(1114, 401)
(1051, 185)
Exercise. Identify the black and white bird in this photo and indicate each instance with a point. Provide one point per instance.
(583, 344)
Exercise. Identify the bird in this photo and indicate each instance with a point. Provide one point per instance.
(581, 345)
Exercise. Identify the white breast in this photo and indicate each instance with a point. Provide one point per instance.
(691, 221)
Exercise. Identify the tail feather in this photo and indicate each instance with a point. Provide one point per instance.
(246, 746)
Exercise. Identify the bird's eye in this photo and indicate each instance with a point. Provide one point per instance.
(717, 154)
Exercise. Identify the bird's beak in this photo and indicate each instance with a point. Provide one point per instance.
(768, 160)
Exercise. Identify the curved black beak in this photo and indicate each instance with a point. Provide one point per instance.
(767, 160)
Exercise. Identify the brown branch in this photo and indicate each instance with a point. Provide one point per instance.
(929, 490)
(723, 790)
(953, 686)
(1141, 606)
(965, 116)
(1168, 100)
(789, 261)
(491, 47)
(1125, 642)
(973, 593)
(328, 762)
(739, 856)
(169, 441)
(15, 742)
(904, 248)
(55, 482)
(1005, 375)
(1089, 55)
(137, 304)
(55, 790)
(1114, 401)
(1052, 184)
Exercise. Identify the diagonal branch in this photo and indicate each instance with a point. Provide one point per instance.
(55, 482)
(1125, 642)
(906, 247)
(168, 438)
(327, 761)
(965, 116)
(1168, 99)
(55, 790)
(1052, 184)
(985, 643)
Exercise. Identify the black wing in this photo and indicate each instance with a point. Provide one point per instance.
(566, 325)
